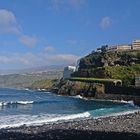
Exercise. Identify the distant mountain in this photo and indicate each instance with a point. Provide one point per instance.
(39, 69)
(26, 77)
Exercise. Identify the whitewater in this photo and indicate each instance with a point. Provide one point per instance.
(23, 107)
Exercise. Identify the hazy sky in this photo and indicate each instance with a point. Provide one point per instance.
(49, 32)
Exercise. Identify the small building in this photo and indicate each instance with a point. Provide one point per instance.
(98, 50)
(136, 45)
(68, 71)
(137, 81)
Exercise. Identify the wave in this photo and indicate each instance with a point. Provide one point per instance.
(16, 102)
(25, 102)
(80, 97)
(128, 102)
(131, 103)
(36, 120)
(4, 103)
(118, 113)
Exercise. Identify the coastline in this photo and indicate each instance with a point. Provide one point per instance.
(126, 126)
(115, 126)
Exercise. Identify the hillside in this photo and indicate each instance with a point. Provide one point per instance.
(28, 79)
(46, 84)
(39, 69)
(122, 65)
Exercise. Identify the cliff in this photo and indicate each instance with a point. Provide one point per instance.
(122, 65)
(72, 88)
(97, 91)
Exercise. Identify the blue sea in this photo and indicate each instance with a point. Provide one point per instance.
(27, 107)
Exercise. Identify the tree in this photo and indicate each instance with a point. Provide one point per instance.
(104, 48)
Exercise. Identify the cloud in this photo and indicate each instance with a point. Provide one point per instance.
(17, 58)
(28, 41)
(105, 22)
(8, 22)
(31, 59)
(49, 49)
(64, 58)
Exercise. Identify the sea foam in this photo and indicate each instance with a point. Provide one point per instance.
(16, 102)
(33, 120)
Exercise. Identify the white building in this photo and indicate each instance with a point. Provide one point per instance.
(77, 65)
(68, 71)
(136, 44)
(119, 47)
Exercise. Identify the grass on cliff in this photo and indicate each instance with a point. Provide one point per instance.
(100, 59)
(43, 84)
(125, 73)
(96, 80)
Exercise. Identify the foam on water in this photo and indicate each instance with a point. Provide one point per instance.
(16, 102)
(19, 107)
(33, 120)
(128, 102)
(25, 102)
(78, 96)
(118, 114)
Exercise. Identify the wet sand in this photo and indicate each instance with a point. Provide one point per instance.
(121, 127)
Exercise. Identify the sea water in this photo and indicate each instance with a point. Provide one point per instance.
(27, 107)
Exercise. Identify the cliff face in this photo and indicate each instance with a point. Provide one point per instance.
(96, 91)
(84, 89)
(114, 58)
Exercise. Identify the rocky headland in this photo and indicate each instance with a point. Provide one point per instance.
(94, 90)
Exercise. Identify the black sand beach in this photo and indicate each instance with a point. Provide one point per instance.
(122, 127)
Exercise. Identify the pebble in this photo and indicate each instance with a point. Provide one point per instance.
(123, 123)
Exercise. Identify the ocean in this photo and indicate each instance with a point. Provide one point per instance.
(26, 107)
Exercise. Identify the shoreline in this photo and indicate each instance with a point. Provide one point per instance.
(70, 118)
(111, 127)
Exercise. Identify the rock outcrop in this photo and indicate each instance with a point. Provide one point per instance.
(73, 88)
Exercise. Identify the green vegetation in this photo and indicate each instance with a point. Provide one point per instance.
(123, 65)
(78, 86)
(28, 79)
(96, 80)
(125, 73)
(43, 84)
(100, 59)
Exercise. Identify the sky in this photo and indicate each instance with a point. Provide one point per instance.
(56, 32)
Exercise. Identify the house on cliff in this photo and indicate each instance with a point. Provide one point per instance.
(122, 47)
(135, 45)
(68, 71)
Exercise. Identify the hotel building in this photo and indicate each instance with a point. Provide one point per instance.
(136, 45)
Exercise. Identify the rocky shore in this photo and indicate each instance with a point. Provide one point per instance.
(121, 127)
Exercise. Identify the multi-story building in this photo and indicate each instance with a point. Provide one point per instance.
(136, 44)
(120, 47)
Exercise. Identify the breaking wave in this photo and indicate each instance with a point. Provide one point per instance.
(16, 102)
(33, 120)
